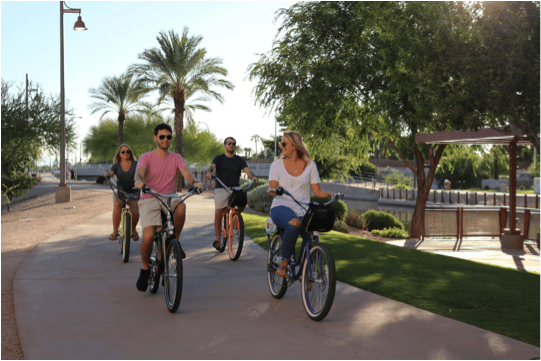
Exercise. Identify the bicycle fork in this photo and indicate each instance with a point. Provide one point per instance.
(170, 232)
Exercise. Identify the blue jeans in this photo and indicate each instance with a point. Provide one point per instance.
(281, 216)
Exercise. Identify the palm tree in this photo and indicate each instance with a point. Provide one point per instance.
(179, 70)
(119, 94)
(255, 138)
(247, 151)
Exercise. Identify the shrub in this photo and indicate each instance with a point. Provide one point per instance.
(522, 188)
(260, 200)
(354, 218)
(100, 179)
(339, 207)
(340, 226)
(260, 183)
(381, 220)
(244, 182)
(367, 167)
(402, 186)
(391, 233)
(397, 178)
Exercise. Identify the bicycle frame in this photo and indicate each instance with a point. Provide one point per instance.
(305, 246)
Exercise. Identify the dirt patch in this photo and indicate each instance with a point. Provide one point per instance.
(29, 223)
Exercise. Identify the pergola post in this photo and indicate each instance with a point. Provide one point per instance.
(511, 237)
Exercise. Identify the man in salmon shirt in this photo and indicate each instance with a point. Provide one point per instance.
(158, 169)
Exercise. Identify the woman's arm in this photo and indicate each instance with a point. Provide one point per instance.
(320, 193)
(272, 186)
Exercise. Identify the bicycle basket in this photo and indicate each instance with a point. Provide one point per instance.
(238, 198)
(319, 218)
(131, 195)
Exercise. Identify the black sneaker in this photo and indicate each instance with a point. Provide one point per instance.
(142, 281)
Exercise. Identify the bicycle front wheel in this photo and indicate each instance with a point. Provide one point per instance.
(173, 276)
(236, 241)
(154, 279)
(277, 284)
(126, 237)
(318, 282)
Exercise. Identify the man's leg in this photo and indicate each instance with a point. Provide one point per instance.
(146, 245)
(218, 222)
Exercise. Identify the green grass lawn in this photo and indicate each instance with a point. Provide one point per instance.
(497, 299)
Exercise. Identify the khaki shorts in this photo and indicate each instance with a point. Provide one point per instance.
(150, 211)
(221, 197)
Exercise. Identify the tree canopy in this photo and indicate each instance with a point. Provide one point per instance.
(339, 71)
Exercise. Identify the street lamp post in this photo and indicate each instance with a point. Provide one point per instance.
(63, 192)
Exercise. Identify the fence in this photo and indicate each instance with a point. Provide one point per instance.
(461, 222)
(456, 197)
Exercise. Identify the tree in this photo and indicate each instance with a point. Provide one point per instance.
(342, 70)
(508, 63)
(179, 70)
(27, 133)
(118, 94)
(255, 138)
(247, 152)
(200, 146)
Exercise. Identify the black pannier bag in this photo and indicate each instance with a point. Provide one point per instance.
(319, 218)
(238, 198)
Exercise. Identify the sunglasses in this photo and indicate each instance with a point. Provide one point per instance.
(169, 137)
(126, 151)
(283, 144)
(231, 143)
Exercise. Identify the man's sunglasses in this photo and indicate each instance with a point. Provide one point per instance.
(169, 137)
(231, 143)
(125, 151)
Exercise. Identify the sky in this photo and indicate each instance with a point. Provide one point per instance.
(235, 31)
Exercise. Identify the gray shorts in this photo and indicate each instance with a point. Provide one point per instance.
(150, 211)
(221, 196)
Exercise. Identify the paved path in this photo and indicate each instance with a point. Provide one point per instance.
(76, 299)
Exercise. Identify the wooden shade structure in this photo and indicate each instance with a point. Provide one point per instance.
(511, 237)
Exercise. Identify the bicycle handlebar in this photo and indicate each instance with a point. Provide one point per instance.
(281, 191)
(190, 192)
(245, 189)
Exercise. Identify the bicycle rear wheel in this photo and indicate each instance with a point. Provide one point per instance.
(126, 237)
(318, 282)
(277, 284)
(154, 278)
(173, 276)
(223, 236)
(237, 240)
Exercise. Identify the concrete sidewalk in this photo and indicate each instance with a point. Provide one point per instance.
(76, 299)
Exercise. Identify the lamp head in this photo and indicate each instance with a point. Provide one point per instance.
(79, 24)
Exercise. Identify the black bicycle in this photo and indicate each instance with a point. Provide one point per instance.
(168, 269)
(126, 220)
(316, 270)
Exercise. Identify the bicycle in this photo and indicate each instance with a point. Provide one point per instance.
(168, 268)
(316, 272)
(233, 224)
(126, 217)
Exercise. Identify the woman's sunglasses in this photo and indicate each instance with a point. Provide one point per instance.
(126, 151)
(283, 144)
(169, 137)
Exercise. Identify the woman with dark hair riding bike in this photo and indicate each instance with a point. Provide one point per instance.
(296, 173)
(124, 166)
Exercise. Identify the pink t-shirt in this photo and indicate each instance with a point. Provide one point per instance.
(161, 172)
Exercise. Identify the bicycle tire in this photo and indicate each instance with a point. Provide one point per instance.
(223, 235)
(154, 278)
(173, 278)
(126, 237)
(236, 241)
(277, 285)
(318, 282)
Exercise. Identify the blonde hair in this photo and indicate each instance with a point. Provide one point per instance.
(116, 158)
(302, 150)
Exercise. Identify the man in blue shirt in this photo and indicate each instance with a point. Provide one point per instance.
(228, 167)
